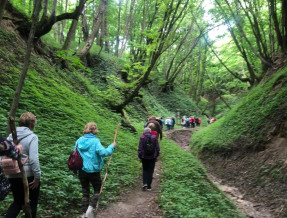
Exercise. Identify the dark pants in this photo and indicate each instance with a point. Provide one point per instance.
(148, 168)
(17, 188)
(85, 180)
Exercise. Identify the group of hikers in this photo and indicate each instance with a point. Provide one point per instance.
(89, 148)
(190, 122)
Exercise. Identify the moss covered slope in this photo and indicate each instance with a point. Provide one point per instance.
(250, 122)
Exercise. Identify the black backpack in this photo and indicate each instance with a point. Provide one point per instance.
(148, 146)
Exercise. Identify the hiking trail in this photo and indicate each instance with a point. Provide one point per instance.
(248, 208)
(136, 203)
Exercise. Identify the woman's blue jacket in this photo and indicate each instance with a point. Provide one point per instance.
(92, 152)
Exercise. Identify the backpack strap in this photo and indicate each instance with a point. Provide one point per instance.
(19, 140)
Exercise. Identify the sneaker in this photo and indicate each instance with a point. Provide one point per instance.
(144, 187)
(148, 189)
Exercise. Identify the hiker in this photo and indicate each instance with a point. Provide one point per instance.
(92, 153)
(198, 122)
(152, 127)
(187, 123)
(208, 121)
(29, 142)
(162, 122)
(148, 151)
(172, 123)
(152, 119)
(11, 151)
(183, 121)
(168, 123)
(192, 121)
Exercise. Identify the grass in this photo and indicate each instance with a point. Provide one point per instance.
(247, 123)
(185, 189)
(64, 100)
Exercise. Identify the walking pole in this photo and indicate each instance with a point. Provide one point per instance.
(26, 207)
(106, 174)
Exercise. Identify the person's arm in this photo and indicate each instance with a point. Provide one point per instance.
(104, 152)
(160, 131)
(34, 162)
(140, 148)
(157, 148)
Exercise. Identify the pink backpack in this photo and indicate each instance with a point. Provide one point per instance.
(10, 166)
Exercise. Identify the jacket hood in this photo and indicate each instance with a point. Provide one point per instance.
(85, 142)
(21, 133)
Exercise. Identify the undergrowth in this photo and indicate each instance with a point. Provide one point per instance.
(185, 189)
(244, 124)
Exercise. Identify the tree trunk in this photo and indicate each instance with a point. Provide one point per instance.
(2, 8)
(45, 10)
(106, 33)
(16, 99)
(276, 22)
(85, 31)
(71, 35)
(125, 36)
(284, 24)
(96, 25)
(23, 74)
(119, 30)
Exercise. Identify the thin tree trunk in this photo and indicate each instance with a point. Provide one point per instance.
(284, 24)
(106, 30)
(16, 99)
(125, 36)
(2, 8)
(45, 9)
(23, 74)
(64, 23)
(96, 25)
(119, 30)
(71, 35)
(201, 78)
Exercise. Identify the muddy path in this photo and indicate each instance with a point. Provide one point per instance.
(136, 203)
(247, 207)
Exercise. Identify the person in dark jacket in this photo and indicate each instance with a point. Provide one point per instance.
(157, 127)
(148, 161)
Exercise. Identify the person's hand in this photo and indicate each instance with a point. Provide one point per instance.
(20, 149)
(34, 184)
(114, 144)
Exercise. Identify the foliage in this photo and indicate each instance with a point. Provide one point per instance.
(185, 189)
(63, 102)
(246, 124)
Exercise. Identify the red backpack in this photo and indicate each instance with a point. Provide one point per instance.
(75, 161)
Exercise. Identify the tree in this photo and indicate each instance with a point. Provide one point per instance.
(2, 8)
(17, 94)
(95, 29)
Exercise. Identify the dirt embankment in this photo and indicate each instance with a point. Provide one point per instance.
(237, 176)
(261, 176)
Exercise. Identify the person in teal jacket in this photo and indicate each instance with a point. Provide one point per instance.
(92, 153)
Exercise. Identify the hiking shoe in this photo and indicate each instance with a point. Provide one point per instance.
(148, 189)
(144, 187)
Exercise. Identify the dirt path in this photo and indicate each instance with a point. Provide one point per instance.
(249, 209)
(137, 203)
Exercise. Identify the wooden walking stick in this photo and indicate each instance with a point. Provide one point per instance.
(26, 207)
(106, 174)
